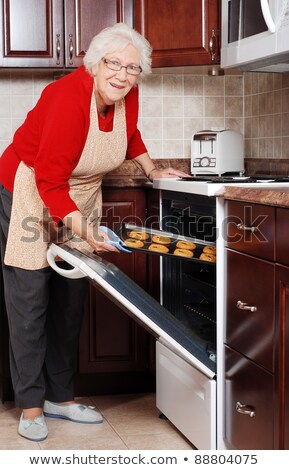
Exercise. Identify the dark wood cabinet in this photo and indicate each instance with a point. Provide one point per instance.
(250, 308)
(282, 352)
(257, 334)
(86, 18)
(181, 32)
(249, 391)
(251, 229)
(54, 33)
(31, 33)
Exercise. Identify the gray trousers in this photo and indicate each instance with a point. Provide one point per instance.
(44, 312)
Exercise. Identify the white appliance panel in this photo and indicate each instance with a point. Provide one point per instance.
(186, 397)
(259, 49)
(209, 189)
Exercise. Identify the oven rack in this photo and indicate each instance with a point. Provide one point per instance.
(202, 278)
(202, 311)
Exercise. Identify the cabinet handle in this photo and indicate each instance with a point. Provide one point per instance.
(245, 409)
(71, 49)
(58, 49)
(243, 306)
(245, 227)
(213, 45)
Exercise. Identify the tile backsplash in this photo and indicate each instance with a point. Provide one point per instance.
(177, 102)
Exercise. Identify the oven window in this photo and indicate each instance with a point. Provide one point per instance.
(188, 288)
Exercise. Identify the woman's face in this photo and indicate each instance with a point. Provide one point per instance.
(111, 85)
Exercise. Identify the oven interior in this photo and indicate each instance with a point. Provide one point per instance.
(188, 287)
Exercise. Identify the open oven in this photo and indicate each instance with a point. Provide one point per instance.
(184, 325)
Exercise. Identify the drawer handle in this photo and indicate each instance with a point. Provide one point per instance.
(245, 409)
(245, 227)
(243, 306)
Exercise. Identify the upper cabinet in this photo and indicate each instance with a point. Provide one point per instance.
(54, 33)
(182, 32)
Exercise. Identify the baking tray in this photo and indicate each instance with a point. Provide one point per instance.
(200, 244)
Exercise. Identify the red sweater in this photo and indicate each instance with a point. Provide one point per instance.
(53, 135)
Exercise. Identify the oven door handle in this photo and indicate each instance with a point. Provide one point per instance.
(79, 269)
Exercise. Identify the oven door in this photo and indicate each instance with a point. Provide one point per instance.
(133, 300)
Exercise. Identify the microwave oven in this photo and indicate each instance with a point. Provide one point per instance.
(255, 35)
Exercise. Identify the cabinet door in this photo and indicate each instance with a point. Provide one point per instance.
(282, 354)
(181, 32)
(282, 240)
(110, 340)
(86, 18)
(249, 404)
(31, 33)
(250, 307)
(251, 229)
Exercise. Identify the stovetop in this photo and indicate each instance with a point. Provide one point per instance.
(208, 185)
(237, 179)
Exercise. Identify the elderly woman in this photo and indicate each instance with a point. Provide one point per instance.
(83, 126)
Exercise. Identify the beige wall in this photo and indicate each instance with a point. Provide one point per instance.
(266, 112)
(177, 102)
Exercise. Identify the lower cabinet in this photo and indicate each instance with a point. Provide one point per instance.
(282, 354)
(115, 353)
(249, 398)
(256, 399)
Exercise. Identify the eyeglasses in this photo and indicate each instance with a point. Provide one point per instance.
(116, 66)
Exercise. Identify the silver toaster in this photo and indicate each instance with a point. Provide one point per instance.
(217, 152)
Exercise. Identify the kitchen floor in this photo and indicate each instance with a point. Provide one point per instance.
(130, 422)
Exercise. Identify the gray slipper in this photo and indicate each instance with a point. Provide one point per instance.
(33, 429)
(75, 412)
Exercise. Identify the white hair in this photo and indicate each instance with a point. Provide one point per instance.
(118, 37)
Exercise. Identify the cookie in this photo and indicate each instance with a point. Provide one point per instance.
(159, 248)
(210, 250)
(138, 235)
(184, 245)
(208, 257)
(161, 239)
(134, 243)
(183, 252)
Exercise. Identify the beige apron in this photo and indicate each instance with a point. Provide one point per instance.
(31, 228)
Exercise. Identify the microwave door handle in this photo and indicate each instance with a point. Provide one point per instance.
(267, 15)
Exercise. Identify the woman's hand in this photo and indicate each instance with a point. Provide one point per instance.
(96, 239)
(166, 173)
(151, 172)
(98, 243)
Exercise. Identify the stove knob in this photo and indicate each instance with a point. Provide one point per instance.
(205, 161)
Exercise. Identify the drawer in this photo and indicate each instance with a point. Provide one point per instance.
(251, 229)
(282, 240)
(249, 406)
(250, 307)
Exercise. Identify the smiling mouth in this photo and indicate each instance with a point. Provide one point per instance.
(119, 87)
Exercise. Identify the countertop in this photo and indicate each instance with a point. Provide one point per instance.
(268, 196)
(130, 175)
